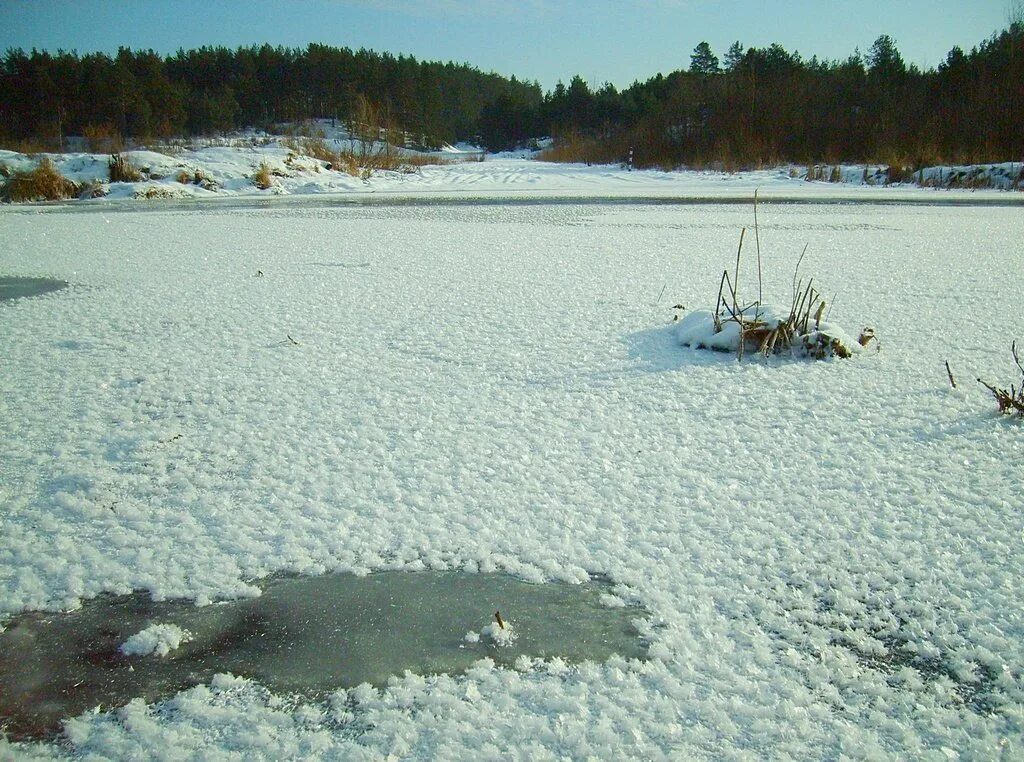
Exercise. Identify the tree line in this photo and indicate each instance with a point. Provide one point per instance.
(759, 106)
(752, 106)
(215, 89)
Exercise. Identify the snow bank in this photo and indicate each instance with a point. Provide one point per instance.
(1000, 176)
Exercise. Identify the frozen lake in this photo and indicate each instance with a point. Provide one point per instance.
(830, 554)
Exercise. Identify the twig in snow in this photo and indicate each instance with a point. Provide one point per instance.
(952, 381)
(1012, 400)
(500, 621)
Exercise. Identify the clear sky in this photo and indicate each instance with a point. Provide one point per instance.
(615, 41)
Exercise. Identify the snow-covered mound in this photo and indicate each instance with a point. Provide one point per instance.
(766, 330)
(159, 639)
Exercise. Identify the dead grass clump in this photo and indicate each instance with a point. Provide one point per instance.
(417, 160)
(150, 192)
(815, 173)
(382, 157)
(317, 148)
(371, 156)
(375, 144)
(261, 179)
(44, 183)
(93, 189)
(122, 170)
(347, 163)
(801, 331)
(196, 177)
(1009, 401)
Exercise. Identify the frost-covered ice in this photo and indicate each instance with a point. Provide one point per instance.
(831, 552)
(159, 639)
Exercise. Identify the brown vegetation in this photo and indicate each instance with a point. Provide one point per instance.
(122, 170)
(44, 183)
(369, 157)
(762, 330)
(261, 179)
(196, 177)
(1009, 401)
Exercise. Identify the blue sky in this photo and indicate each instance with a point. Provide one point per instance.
(603, 41)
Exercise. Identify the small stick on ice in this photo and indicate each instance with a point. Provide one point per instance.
(949, 373)
(757, 239)
(497, 617)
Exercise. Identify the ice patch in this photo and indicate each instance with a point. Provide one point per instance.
(19, 288)
(303, 635)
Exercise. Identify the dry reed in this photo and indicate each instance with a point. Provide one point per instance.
(44, 183)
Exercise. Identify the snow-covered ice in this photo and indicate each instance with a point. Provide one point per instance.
(831, 553)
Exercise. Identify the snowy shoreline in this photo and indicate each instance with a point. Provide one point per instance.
(228, 172)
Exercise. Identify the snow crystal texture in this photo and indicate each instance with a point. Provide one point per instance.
(831, 552)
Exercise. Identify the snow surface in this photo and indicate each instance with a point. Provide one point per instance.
(159, 639)
(831, 552)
